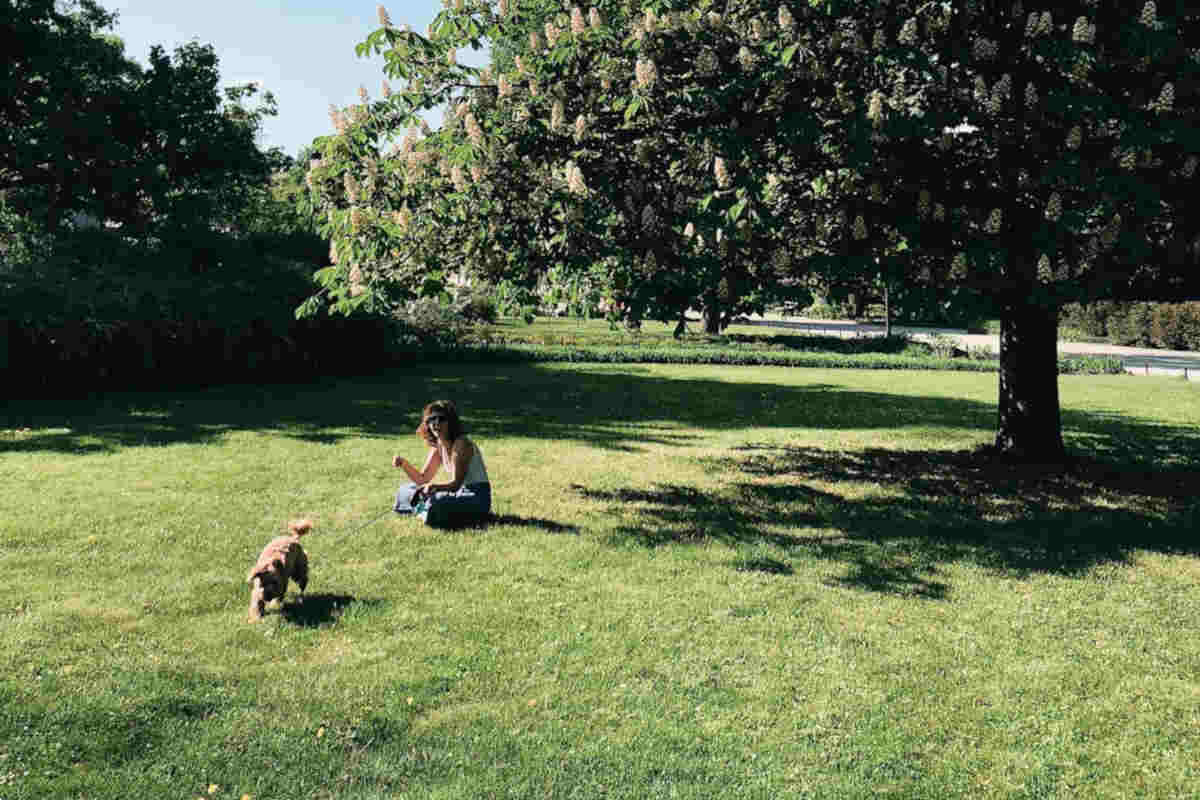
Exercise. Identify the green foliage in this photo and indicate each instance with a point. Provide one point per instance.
(83, 129)
(477, 304)
(1132, 325)
(869, 168)
(1174, 326)
(97, 310)
(1089, 318)
(712, 157)
(514, 300)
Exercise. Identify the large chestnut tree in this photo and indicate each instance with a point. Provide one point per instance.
(705, 155)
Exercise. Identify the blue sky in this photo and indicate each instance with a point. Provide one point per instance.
(301, 50)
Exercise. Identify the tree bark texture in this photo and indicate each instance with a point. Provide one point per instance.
(1030, 424)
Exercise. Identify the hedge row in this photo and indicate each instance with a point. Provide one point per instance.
(79, 358)
(745, 357)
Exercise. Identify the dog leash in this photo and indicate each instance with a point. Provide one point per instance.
(369, 522)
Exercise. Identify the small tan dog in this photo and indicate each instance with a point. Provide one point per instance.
(282, 559)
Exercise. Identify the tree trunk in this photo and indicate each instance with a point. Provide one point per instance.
(712, 315)
(1029, 425)
(680, 326)
(887, 313)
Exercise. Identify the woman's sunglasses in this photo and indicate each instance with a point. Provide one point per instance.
(434, 419)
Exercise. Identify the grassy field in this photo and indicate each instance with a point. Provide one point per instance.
(702, 582)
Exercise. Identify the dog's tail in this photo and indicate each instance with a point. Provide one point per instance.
(300, 527)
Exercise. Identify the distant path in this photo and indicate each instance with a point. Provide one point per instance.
(1137, 360)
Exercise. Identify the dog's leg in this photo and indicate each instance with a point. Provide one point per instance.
(256, 602)
(300, 573)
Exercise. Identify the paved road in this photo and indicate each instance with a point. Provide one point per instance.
(1137, 360)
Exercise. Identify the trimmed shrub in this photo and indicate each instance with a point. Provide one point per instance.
(428, 323)
(735, 356)
(477, 305)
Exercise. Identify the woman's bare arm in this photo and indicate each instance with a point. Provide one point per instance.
(433, 462)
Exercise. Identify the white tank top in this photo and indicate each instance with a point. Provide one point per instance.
(476, 469)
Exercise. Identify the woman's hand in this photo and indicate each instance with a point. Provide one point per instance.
(398, 461)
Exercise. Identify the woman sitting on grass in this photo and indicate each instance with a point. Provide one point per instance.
(467, 496)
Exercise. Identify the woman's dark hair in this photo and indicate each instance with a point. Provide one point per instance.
(444, 408)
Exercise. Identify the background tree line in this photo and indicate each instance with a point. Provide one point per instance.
(145, 237)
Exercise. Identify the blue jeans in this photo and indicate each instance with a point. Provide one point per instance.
(471, 503)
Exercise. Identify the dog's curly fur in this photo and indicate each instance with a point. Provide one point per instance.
(283, 559)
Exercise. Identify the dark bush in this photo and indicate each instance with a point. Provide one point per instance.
(478, 305)
(99, 311)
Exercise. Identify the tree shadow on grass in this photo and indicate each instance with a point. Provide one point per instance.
(623, 408)
(896, 517)
(547, 525)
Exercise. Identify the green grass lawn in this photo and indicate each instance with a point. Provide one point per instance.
(703, 582)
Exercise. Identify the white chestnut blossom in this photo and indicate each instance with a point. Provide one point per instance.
(985, 49)
(721, 173)
(746, 58)
(646, 73)
(1166, 99)
(474, 132)
(1054, 207)
(1084, 32)
(1149, 16)
(1045, 272)
(575, 183)
(875, 108)
(860, 228)
(959, 266)
(786, 20)
(1075, 138)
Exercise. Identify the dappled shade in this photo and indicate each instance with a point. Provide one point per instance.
(895, 517)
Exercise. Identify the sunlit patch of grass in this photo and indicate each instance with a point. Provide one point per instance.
(700, 581)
